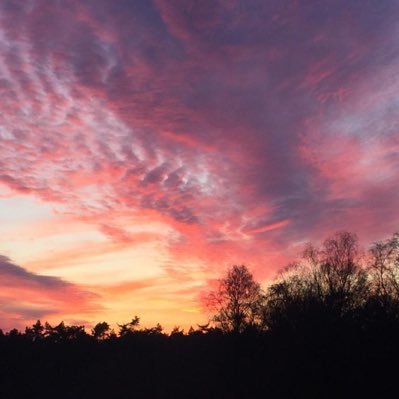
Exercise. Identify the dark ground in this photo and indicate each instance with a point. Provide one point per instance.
(330, 363)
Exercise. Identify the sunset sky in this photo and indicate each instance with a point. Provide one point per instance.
(146, 146)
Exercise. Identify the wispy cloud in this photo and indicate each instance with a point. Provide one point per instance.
(241, 128)
(27, 296)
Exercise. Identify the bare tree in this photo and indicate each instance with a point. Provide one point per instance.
(237, 300)
(326, 279)
(384, 267)
(335, 270)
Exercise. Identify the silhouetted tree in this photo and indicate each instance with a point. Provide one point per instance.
(129, 328)
(384, 267)
(35, 332)
(101, 331)
(13, 333)
(62, 332)
(237, 300)
(192, 331)
(157, 330)
(327, 281)
(177, 332)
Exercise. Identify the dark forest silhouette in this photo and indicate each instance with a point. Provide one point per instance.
(328, 327)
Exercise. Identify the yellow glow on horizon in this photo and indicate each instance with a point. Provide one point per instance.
(129, 278)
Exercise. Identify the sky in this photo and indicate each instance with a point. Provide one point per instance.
(147, 146)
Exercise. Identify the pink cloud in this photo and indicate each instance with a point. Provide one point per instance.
(245, 129)
(26, 297)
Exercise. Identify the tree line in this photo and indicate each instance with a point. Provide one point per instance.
(335, 281)
(326, 327)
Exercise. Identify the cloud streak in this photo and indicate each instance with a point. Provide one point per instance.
(27, 296)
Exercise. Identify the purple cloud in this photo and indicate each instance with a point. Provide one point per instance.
(223, 118)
